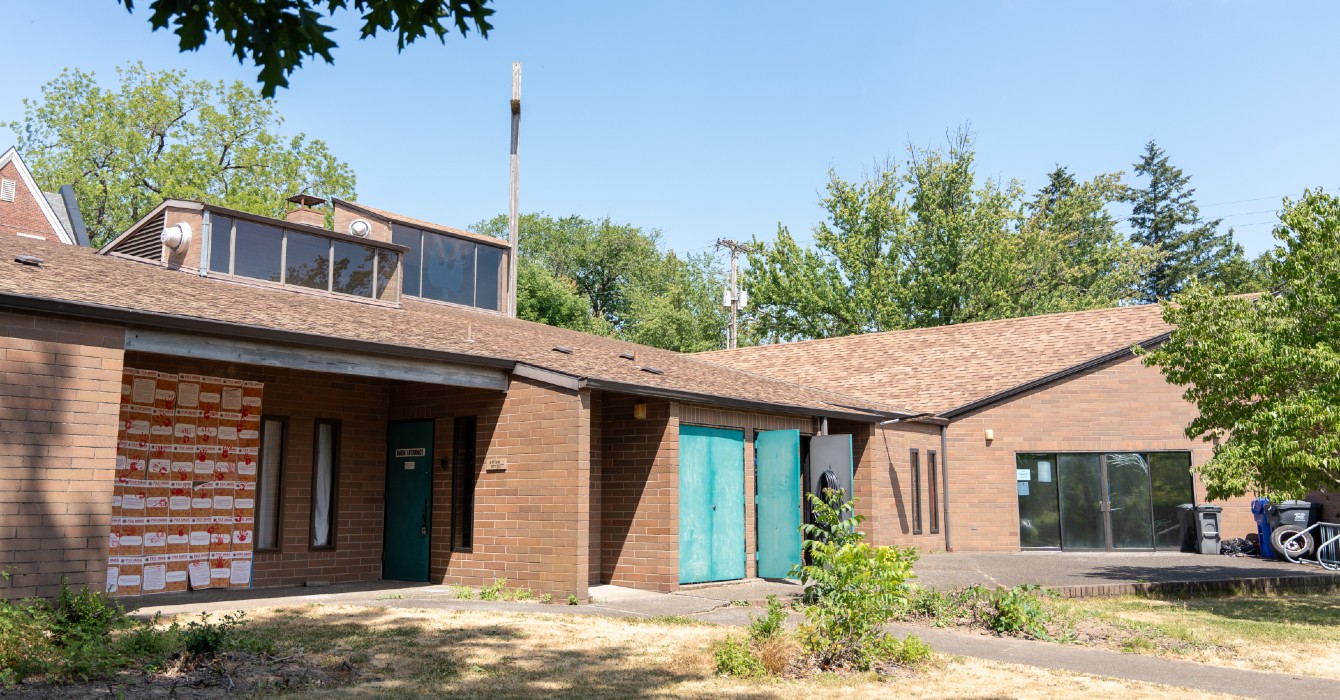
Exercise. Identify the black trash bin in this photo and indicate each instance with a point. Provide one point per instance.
(1288, 520)
(1186, 520)
(1207, 529)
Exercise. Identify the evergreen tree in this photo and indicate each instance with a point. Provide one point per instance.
(1165, 218)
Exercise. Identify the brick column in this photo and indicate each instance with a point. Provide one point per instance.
(60, 393)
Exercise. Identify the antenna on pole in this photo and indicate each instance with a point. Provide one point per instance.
(513, 216)
(732, 298)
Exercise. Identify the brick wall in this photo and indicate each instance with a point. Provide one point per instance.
(884, 481)
(638, 490)
(1120, 407)
(342, 216)
(60, 393)
(24, 214)
(303, 397)
(531, 520)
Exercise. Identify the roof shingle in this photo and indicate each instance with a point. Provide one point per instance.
(938, 369)
(79, 275)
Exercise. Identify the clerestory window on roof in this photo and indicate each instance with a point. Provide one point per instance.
(276, 254)
(446, 268)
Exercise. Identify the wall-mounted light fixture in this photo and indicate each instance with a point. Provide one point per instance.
(990, 435)
(640, 411)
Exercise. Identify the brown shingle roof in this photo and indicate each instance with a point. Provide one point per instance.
(79, 275)
(418, 223)
(942, 368)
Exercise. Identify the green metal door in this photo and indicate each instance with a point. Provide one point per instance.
(711, 504)
(409, 489)
(777, 473)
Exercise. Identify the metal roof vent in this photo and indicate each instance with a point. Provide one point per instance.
(360, 228)
(7, 190)
(563, 349)
(628, 356)
(177, 238)
(29, 260)
(652, 370)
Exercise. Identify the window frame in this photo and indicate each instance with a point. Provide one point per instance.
(932, 483)
(417, 284)
(377, 255)
(914, 457)
(337, 431)
(260, 482)
(464, 482)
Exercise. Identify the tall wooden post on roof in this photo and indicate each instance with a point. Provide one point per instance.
(513, 222)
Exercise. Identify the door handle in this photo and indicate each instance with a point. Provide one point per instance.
(423, 528)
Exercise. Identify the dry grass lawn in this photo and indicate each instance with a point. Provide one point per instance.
(1295, 634)
(474, 654)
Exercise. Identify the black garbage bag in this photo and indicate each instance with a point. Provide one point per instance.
(1238, 547)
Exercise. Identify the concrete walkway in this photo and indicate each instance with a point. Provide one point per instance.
(724, 604)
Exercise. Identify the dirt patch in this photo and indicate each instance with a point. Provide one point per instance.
(222, 675)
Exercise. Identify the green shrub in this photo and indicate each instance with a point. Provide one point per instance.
(854, 588)
(87, 614)
(493, 591)
(912, 651)
(1019, 610)
(735, 658)
(572, 599)
(203, 637)
(462, 592)
(770, 623)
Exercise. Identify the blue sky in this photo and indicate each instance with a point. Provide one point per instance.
(708, 119)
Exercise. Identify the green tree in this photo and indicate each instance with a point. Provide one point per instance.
(1165, 218)
(1264, 373)
(931, 246)
(159, 135)
(278, 35)
(628, 285)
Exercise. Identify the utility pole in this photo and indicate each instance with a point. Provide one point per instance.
(731, 297)
(513, 216)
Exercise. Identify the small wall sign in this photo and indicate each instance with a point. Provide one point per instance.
(410, 452)
(495, 464)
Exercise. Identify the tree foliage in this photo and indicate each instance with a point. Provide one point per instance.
(926, 244)
(159, 135)
(1165, 218)
(1264, 372)
(620, 277)
(278, 35)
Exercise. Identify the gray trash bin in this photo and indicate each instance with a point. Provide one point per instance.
(1186, 520)
(1207, 529)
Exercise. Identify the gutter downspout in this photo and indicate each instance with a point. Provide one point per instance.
(944, 481)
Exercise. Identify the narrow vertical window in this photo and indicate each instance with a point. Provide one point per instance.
(916, 492)
(325, 477)
(270, 482)
(933, 481)
(463, 483)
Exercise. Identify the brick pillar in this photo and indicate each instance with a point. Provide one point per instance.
(59, 404)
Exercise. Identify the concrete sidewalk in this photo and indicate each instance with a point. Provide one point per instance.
(722, 604)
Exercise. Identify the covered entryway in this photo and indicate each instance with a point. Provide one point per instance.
(409, 495)
(711, 504)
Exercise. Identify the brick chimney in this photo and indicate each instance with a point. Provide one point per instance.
(305, 213)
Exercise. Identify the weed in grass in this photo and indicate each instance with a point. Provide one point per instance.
(770, 623)
(572, 599)
(678, 620)
(734, 657)
(393, 596)
(493, 591)
(740, 603)
(462, 592)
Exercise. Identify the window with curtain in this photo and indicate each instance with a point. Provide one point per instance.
(933, 481)
(325, 476)
(270, 481)
(916, 492)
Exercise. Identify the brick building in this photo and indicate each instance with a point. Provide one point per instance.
(28, 212)
(274, 402)
(1044, 432)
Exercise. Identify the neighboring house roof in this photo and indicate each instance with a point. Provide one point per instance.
(78, 281)
(390, 216)
(57, 214)
(948, 369)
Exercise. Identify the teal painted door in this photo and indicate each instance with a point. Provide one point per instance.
(409, 489)
(711, 504)
(777, 472)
